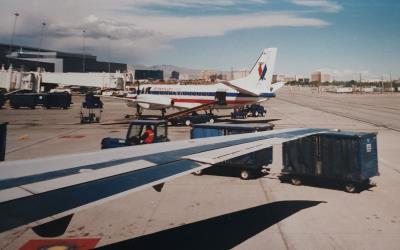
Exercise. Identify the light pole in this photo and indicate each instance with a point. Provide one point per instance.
(109, 60)
(12, 36)
(83, 51)
(40, 42)
(109, 53)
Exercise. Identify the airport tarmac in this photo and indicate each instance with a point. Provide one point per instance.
(221, 212)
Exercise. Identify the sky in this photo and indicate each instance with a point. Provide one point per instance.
(344, 38)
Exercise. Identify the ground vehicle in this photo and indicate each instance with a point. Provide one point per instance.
(255, 110)
(249, 165)
(347, 158)
(91, 109)
(194, 118)
(135, 131)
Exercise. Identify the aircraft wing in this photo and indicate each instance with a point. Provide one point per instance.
(45, 189)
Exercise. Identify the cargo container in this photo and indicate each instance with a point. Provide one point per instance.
(23, 100)
(58, 100)
(223, 128)
(247, 166)
(2, 99)
(92, 102)
(3, 139)
(348, 158)
(41, 99)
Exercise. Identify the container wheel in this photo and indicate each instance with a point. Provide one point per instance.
(198, 172)
(211, 120)
(296, 180)
(350, 188)
(187, 122)
(244, 174)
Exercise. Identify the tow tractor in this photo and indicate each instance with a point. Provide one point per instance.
(255, 110)
(135, 132)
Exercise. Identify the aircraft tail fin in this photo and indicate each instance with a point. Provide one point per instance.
(260, 77)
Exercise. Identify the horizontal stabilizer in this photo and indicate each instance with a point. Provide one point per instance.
(276, 86)
(241, 89)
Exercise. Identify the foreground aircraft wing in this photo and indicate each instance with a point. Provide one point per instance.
(45, 189)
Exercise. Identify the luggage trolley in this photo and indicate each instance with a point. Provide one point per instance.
(91, 109)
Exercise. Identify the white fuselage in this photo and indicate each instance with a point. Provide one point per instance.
(189, 96)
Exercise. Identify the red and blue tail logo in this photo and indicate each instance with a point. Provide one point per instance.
(262, 71)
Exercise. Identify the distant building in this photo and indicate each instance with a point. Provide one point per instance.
(318, 76)
(207, 74)
(303, 80)
(184, 77)
(146, 74)
(237, 74)
(54, 61)
(174, 75)
(283, 78)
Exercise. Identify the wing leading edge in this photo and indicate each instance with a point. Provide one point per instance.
(33, 190)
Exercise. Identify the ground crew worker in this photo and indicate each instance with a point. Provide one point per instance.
(148, 136)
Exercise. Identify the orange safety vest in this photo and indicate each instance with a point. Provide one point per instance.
(150, 136)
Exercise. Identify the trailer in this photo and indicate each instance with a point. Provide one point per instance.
(348, 158)
(26, 100)
(194, 118)
(57, 100)
(246, 166)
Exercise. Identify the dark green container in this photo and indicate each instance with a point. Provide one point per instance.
(347, 156)
(3, 137)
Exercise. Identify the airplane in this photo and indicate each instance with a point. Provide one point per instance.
(44, 193)
(254, 88)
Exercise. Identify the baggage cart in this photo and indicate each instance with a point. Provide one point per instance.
(348, 158)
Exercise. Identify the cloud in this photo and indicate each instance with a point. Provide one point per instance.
(194, 3)
(134, 34)
(325, 5)
(189, 26)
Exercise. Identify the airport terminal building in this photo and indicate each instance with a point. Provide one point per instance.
(29, 59)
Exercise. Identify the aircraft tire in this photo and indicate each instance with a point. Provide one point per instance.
(198, 172)
(295, 180)
(350, 188)
(244, 174)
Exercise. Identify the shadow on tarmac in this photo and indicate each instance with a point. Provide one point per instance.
(225, 171)
(221, 232)
(332, 184)
(244, 121)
